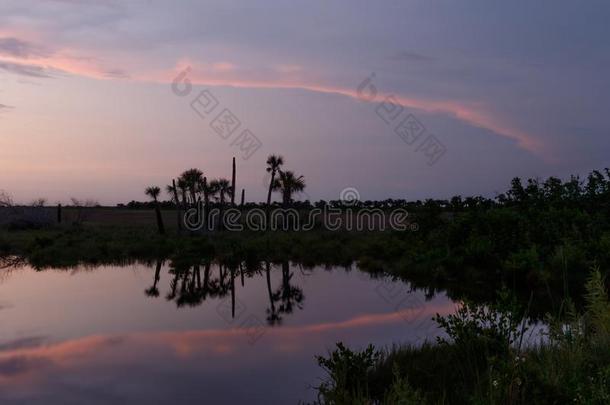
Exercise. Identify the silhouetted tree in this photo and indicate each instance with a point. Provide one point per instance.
(274, 164)
(172, 190)
(288, 184)
(223, 188)
(182, 186)
(154, 192)
(192, 179)
(233, 184)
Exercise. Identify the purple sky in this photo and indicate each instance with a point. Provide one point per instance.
(507, 88)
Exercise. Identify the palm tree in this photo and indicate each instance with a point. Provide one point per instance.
(154, 192)
(222, 187)
(172, 190)
(208, 191)
(233, 185)
(274, 163)
(212, 189)
(288, 184)
(182, 186)
(192, 179)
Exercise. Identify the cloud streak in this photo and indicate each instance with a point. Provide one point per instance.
(284, 77)
(27, 58)
(27, 70)
(467, 112)
(17, 48)
(4, 107)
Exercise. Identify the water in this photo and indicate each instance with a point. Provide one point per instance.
(100, 335)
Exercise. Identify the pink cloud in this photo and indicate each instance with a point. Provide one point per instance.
(21, 363)
(26, 55)
(281, 77)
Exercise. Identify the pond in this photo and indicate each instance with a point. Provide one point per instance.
(156, 334)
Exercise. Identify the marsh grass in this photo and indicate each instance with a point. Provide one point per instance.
(484, 360)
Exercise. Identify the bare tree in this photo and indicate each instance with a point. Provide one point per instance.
(5, 199)
(39, 202)
(82, 209)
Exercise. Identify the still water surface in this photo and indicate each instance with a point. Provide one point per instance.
(148, 334)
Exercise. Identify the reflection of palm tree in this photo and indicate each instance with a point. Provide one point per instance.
(190, 292)
(206, 280)
(188, 287)
(273, 317)
(153, 291)
(173, 285)
(154, 192)
(241, 274)
(232, 292)
(288, 295)
(185, 287)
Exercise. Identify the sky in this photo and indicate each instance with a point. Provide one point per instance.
(395, 99)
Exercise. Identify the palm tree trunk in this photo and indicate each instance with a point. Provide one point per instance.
(184, 203)
(220, 210)
(206, 279)
(233, 185)
(197, 275)
(206, 201)
(270, 189)
(157, 273)
(159, 219)
(193, 196)
(177, 201)
(241, 273)
(271, 302)
(232, 292)
(286, 281)
(285, 203)
(269, 199)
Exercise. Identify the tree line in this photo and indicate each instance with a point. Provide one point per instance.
(192, 188)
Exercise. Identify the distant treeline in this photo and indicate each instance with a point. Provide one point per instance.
(577, 192)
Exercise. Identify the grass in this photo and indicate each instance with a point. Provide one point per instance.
(417, 257)
(69, 245)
